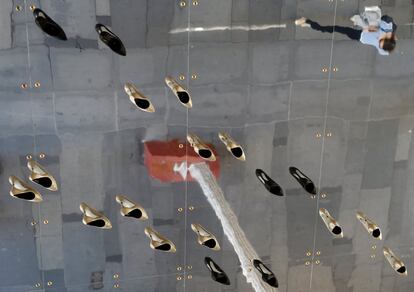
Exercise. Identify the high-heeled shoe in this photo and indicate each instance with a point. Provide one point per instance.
(331, 223)
(48, 25)
(217, 274)
(269, 183)
(40, 176)
(267, 275)
(131, 209)
(306, 183)
(369, 225)
(94, 218)
(394, 261)
(159, 242)
(180, 92)
(110, 39)
(200, 147)
(205, 237)
(232, 146)
(21, 190)
(138, 99)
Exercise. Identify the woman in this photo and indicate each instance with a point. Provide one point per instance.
(382, 37)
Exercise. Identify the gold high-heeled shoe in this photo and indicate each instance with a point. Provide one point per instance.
(232, 146)
(131, 209)
(40, 176)
(180, 92)
(21, 190)
(200, 147)
(159, 242)
(94, 218)
(138, 99)
(369, 225)
(331, 223)
(205, 237)
(394, 261)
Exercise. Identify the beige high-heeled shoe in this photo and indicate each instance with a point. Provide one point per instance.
(369, 225)
(394, 261)
(21, 190)
(94, 218)
(331, 223)
(138, 99)
(200, 147)
(159, 242)
(131, 209)
(205, 237)
(40, 176)
(180, 92)
(232, 146)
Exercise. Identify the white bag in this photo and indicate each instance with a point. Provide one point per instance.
(370, 17)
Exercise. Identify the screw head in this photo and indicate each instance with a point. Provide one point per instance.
(116, 276)
(318, 252)
(45, 221)
(191, 208)
(37, 84)
(323, 195)
(307, 263)
(195, 3)
(180, 209)
(32, 7)
(194, 76)
(181, 77)
(308, 254)
(183, 3)
(180, 145)
(42, 155)
(29, 156)
(23, 85)
(179, 278)
(19, 8)
(179, 268)
(317, 262)
(49, 283)
(116, 285)
(189, 277)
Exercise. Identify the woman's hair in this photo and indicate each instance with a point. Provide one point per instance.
(389, 44)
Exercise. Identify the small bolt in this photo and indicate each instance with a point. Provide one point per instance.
(37, 285)
(335, 69)
(324, 69)
(23, 86)
(191, 208)
(318, 135)
(308, 254)
(116, 276)
(180, 209)
(116, 285)
(318, 252)
(313, 196)
(49, 283)
(29, 156)
(374, 247)
(323, 195)
(179, 268)
(37, 84)
(42, 155)
(33, 223)
(189, 277)
(329, 134)
(18, 8)
(180, 145)
(189, 267)
(195, 3)
(194, 76)
(32, 7)
(179, 278)
(317, 262)
(45, 221)
(182, 77)
(307, 263)
(183, 4)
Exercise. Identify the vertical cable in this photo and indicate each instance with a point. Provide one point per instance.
(325, 118)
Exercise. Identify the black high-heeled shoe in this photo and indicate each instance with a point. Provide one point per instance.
(48, 25)
(269, 183)
(110, 39)
(217, 274)
(306, 183)
(267, 275)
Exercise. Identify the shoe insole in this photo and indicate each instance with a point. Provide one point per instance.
(376, 233)
(142, 103)
(164, 247)
(401, 270)
(337, 230)
(183, 96)
(204, 153)
(211, 243)
(237, 151)
(97, 223)
(44, 181)
(136, 213)
(26, 196)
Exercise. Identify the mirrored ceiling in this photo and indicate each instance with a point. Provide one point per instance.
(289, 95)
